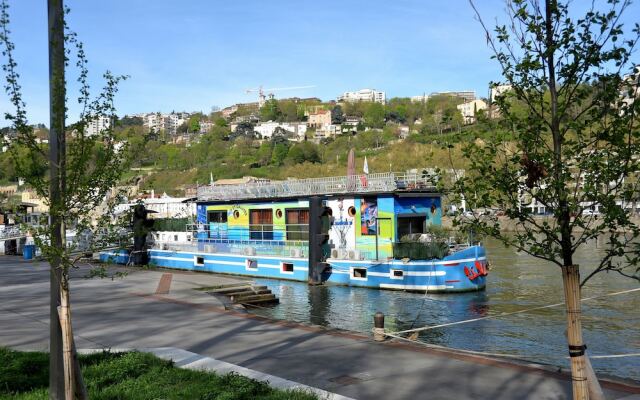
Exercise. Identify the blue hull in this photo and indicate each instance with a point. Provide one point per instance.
(457, 272)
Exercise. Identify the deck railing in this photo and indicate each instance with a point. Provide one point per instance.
(370, 183)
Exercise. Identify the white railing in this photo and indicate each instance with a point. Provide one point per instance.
(371, 183)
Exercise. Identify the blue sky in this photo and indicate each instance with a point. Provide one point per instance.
(194, 54)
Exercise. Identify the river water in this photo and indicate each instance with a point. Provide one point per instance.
(516, 281)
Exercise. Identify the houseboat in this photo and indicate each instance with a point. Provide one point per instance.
(361, 230)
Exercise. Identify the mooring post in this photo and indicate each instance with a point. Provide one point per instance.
(378, 327)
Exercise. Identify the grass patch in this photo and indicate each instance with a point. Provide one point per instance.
(132, 375)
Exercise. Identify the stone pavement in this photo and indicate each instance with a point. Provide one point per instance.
(137, 312)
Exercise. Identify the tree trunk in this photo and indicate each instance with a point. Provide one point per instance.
(64, 312)
(571, 282)
(57, 98)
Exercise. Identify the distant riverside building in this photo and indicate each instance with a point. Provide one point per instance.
(467, 95)
(470, 108)
(319, 118)
(97, 126)
(363, 95)
(267, 129)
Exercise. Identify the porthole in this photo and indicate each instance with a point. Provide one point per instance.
(278, 213)
(433, 209)
(236, 214)
(352, 211)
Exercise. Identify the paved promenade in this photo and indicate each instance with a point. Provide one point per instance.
(160, 309)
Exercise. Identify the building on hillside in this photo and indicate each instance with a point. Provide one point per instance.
(326, 131)
(152, 121)
(205, 126)
(466, 95)
(173, 121)
(168, 123)
(98, 125)
(38, 204)
(319, 118)
(228, 111)
(403, 131)
(469, 110)
(494, 92)
(296, 129)
(371, 95)
(420, 99)
(9, 190)
(497, 90)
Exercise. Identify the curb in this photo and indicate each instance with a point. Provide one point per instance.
(186, 359)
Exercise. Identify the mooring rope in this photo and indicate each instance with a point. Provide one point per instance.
(425, 328)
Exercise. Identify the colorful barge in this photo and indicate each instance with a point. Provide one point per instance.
(262, 230)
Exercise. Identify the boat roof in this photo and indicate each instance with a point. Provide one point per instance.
(365, 184)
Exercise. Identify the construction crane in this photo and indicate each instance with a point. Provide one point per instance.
(262, 98)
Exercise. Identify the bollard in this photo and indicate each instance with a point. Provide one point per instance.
(378, 327)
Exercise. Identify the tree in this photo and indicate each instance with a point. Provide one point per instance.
(279, 154)
(194, 123)
(270, 111)
(337, 116)
(127, 121)
(374, 115)
(573, 148)
(82, 172)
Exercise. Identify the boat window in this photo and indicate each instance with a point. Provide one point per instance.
(409, 225)
(297, 222)
(397, 274)
(217, 216)
(199, 261)
(359, 273)
(261, 224)
(287, 267)
(252, 264)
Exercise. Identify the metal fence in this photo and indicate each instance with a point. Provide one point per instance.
(369, 183)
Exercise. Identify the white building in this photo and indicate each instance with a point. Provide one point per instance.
(420, 99)
(497, 90)
(97, 126)
(363, 95)
(169, 123)
(326, 131)
(152, 121)
(467, 95)
(470, 108)
(164, 206)
(205, 126)
(266, 129)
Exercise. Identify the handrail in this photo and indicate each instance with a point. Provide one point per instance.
(386, 182)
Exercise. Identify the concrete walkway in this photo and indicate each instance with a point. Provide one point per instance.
(140, 311)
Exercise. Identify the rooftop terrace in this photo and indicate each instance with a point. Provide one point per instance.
(387, 182)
